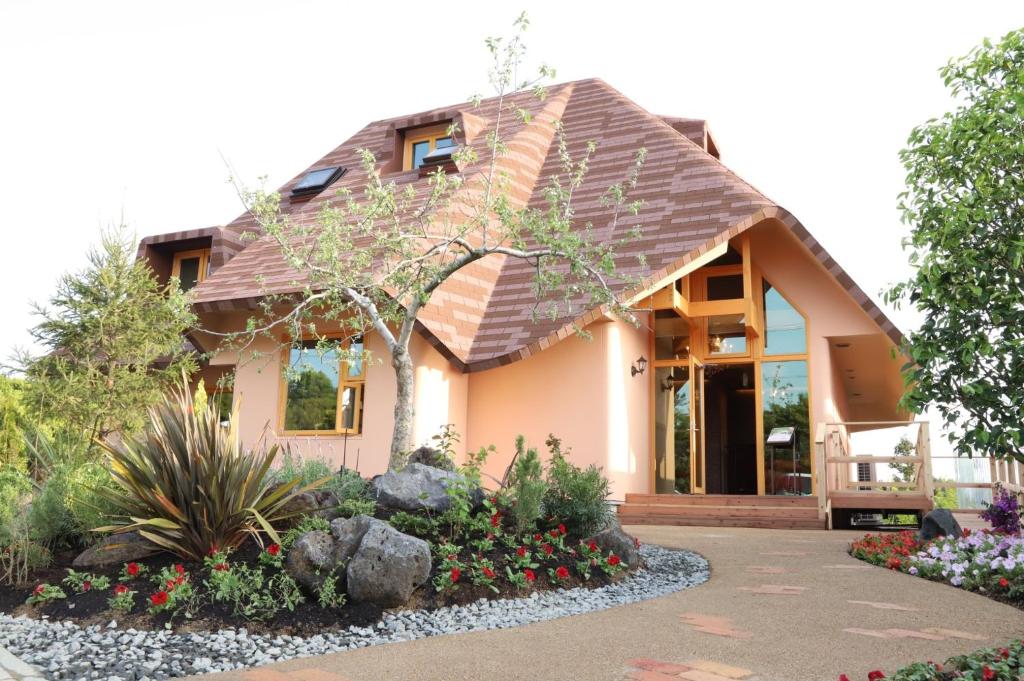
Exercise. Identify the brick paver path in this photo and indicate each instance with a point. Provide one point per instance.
(828, 614)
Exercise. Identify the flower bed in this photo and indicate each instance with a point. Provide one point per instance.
(987, 664)
(986, 562)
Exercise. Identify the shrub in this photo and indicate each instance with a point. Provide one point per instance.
(15, 487)
(190, 487)
(527, 487)
(348, 484)
(306, 470)
(575, 496)
(353, 507)
(987, 664)
(1004, 512)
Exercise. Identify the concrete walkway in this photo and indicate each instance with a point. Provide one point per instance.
(14, 669)
(780, 606)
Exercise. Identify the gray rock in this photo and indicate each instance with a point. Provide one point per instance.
(348, 535)
(320, 503)
(939, 523)
(311, 560)
(117, 548)
(428, 456)
(414, 488)
(612, 538)
(387, 567)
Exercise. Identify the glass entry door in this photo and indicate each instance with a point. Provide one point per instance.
(697, 473)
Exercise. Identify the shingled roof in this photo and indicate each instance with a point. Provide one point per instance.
(481, 317)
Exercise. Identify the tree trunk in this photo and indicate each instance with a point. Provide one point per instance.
(401, 436)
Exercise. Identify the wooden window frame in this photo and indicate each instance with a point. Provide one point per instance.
(204, 263)
(344, 382)
(429, 134)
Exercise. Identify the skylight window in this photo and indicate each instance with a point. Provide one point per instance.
(317, 180)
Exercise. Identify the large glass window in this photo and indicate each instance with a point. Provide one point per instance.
(672, 430)
(785, 331)
(784, 398)
(727, 335)
(324, 392)
(671, 336)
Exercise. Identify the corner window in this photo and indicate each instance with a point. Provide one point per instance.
(420, 143)
(785, 331)
(323, 393)
(190, 268)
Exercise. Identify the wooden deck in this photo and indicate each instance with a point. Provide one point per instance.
(722, 510)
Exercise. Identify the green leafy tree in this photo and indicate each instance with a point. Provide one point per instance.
(113, 343)
(12, 415)
(904, 470)
(965, 180)
(372, 260)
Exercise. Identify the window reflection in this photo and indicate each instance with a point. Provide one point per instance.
(672, 430)
(784, 327)
(784, 398)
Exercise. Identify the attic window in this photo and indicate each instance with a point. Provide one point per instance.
(422, 146)
(190, 267)
(317, 180)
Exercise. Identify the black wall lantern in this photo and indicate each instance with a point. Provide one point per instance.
(639, 366)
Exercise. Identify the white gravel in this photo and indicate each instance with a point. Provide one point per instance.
(63, 650)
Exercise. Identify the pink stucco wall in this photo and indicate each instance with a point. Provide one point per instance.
(440, 396)
(579, 390)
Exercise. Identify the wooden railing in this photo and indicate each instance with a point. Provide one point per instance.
(837, 486)
(834, 462)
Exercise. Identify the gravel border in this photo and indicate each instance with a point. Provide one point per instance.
(63, 650)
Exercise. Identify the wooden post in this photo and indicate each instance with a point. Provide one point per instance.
(924, 450)
(822, 472)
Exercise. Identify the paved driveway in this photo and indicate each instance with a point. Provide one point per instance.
(780, 606)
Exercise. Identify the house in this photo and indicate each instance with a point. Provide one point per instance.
(733, 401)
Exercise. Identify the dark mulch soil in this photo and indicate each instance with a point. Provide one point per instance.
(307, 619)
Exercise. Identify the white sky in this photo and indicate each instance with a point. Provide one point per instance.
(111, 109)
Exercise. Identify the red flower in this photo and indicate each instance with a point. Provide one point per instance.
(171, 583)
(86, 585)
(592, 546)
(213, 550)
(1005, 652)
(274, 549)
(562, 572)
(179, 568)
(554, 534)
(159, 598)
(39, 589)
(490, 536)
(221, 567)
(495, 519)
(538, 537)
(1004, 582)
(548, 549)
(521, 552)
(844, 677)
(987, 673)
(876, 676)
(120, 589)
(132, 569)
(455, 574)
(488, 573)
(561, 528)
(528, 573)
(614, 560)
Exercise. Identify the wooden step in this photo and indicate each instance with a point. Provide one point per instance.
(639, 518)
(767, 501)
(790, 512)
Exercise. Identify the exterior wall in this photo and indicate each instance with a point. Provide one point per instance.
(579, 390)
(440, 398)
(829, 310)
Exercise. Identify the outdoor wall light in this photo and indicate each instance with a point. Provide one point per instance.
(639, 366)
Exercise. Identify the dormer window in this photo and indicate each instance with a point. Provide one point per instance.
(420, 143)
(190, 267)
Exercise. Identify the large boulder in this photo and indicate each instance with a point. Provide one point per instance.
(348, 535)
(117, 548)
(428, 456)
(939, 523)
(311, 560)
(320, 503)
(387, 567)
(613, 538)
(414, 488)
